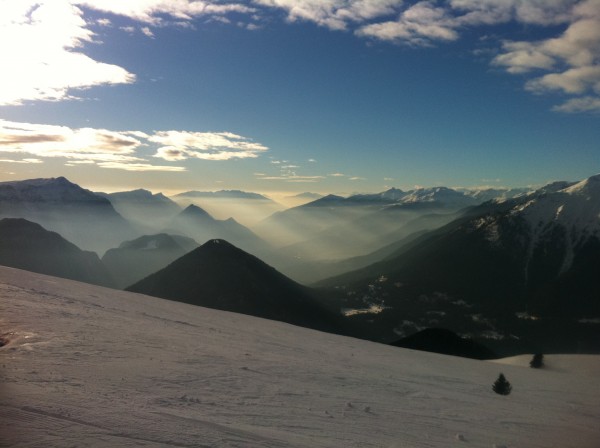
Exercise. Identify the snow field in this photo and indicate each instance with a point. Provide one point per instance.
(90, 366)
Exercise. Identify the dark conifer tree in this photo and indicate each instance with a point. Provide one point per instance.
(502, 386)
(537, 361)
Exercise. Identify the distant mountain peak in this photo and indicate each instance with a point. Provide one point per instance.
(54, 189)
(218, 242)
(589, 186)
(194, 210)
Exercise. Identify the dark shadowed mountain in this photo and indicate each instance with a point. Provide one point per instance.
(134, 260)
(440, 340)
(83, 217)
(27, 245)
(525, 269)
(219, 275)
(146, 210)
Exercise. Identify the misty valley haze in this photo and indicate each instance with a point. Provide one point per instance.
(515, 270)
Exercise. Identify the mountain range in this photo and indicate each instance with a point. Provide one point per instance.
(82, 217)
(516, 273)
(524, 269)
(149, 212)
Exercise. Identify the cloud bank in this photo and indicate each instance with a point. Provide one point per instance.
(120, 149)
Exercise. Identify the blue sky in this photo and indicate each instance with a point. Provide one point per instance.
(283, 96)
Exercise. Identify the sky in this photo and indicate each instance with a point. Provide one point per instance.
(286, 96)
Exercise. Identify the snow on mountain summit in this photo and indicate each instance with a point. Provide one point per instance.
(575, 207)
(589, 187)
(563, 215)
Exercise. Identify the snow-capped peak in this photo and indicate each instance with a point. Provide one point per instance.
(589, 187)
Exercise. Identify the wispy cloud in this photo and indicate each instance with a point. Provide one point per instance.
(333, 14)
(583, 104)
(21, 161)
(293, 178)
(156, 12)
(336, 175)
(120, 149)
(181, 145)
(139, 167)
(418, 25)
(570, 58)
(288, 173)
(567, 63)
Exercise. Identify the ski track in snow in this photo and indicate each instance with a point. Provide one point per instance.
(90, 366)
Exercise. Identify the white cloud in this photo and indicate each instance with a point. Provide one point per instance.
(336, 175)
(582, 104)
(42, 61)
(293, 178)
(575, 80)
(181, 145)
(522, 57)
(153, 12)
(119, 149)
(21, 161)
(61, 141)
(571, 60)
(419, 24)
(140, 167)
(489, 12)
(333, 14)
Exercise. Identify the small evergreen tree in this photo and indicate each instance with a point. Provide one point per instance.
(502, 386)
(537, 361)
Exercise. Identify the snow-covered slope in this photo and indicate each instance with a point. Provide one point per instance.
(575, 209)
(87, 366)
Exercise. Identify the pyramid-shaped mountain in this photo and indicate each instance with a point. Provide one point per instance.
(27, 245)
(200, 225)
(219, 275)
